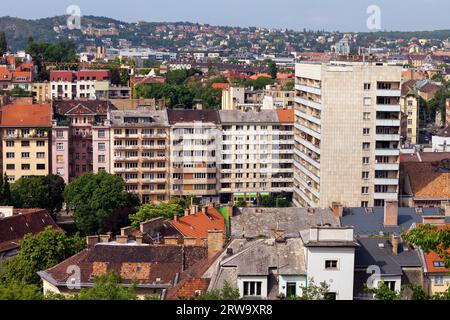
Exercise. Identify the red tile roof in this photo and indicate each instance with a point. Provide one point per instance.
(30, 115)
(432, 257)
(5, 74)
(30, 221)
(286, 115)
(260, 75)
(197, 225)
(222, 86)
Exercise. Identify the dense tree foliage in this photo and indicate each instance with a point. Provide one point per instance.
(5, 191)
(94, 198)
(149, 211)
(37, 253)
(107, 287)
(226, 293)
(16, 291)
(44, 192)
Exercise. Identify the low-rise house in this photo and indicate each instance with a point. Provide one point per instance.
(16, 223)
(152, 268)
(385, 259)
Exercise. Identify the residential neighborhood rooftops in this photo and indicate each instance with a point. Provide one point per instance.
(379, 252)
(256, 222)
(131, 118)
(183, 116)
(30, 115)
(250, 116)
(150, 265)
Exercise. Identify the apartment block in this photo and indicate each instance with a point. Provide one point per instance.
(347, 133)
(195, 138)
(140, 152)
(78, 128)
(256, 154)
(41, 92)
(409, 103)
(25, 140)
(84, 84)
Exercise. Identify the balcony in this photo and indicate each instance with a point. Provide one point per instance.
(309, 131)
(386, 182)
(313, 90)
(387, 137)
(307, 172)
(386, 196)
(308, 103)
(305, 198)
(308, 145)
(387, 152)
(388, 107)
(388, 93)
(308, 117)
(308, 159)
(387, 166)
(388, 123)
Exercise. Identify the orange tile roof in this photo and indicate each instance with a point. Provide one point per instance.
(31, 115)
(432, 257)
(218, 85)
(197, 225)
(285, 75)
(286, 115)
(5, 74)
(427, 181)
(22, 74)
(260, 75)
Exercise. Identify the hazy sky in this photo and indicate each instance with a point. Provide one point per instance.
(342, 15)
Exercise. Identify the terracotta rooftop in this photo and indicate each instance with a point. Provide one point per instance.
(429, 180)
(286, 115)
(150, 265)
(31, 115)
(97, 107)
(23, 222)
(197, 225)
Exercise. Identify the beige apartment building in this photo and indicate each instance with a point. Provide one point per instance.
(25, 140)
(195, 137)
(140, 152)
(409, 104)
(256, 154)
(347, 133)
(41, 92)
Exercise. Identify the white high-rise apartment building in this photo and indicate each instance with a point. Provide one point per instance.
(347, 133)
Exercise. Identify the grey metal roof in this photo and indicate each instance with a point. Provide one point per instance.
(238, 116)
(159, 118)
(365, 223)
(262, 255)
(256, 222)
(370, 253)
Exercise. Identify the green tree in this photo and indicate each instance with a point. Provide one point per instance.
(108, 287)
(37, 253)
(56, 187)
(383, 292)
(5, 191)
(3, 43)
(148, 211)
(226, 293)
(273, 70)
(16, 291)
(94, 197)
(241, 204)
(314, 292)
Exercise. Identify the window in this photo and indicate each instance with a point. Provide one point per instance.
(101, 159)
(366, 116)
(291, 289)
(60, 146)
(40, 155)
(25, 167)
(366, 146)
(365, 190)
(60, 134)
(367, 101)
(366, 131)
(364, 204)
(438, 264)
(366, 86)
(60, 171)
(331, 264)
(40, 166)
(10, 143)
(25, 143)
(252, 288)
(60, 158)
(10, 155)
(439, 280)
(365, 175)
(25, 155)
(101, 146)
(390, 285)
(40, 143)
(101, 133)
(10, 167)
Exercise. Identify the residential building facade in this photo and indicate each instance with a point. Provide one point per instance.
(84, 84)
(347, 133)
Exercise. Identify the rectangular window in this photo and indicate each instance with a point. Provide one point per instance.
(366, 116)
(101, 146)
(40, 143)
(25, 143)
(331, 264)
(439, 280)
(25, 167)
(40, 166)
(60, 134)
(365, 190)
(366, 146)
(60, 146)
(40, 155)
(101, 133)
(366, 86)
(367, 101)
(252, 288)
(25, 155)
(10, 155)
(366, 131)
(364, 204)
(101, 159)
(10, 143)
(365, 175)
(10, 167)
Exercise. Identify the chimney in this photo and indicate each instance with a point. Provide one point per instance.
(104, 238)
(391, 213)
(194, 209)
(126, 231)
(190, 241)
(278, 235)
(139, 239)
(122, 239)
(175, 218)
(215, 242)
(395, 243)
(338, 209)
(204, 211)
(91, 241)
(186, 212)
(433, 220)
